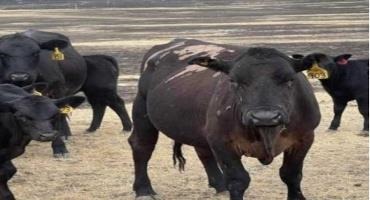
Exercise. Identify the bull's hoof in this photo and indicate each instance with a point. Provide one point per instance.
(150, 197)
(61, 155)
(364, 133)
(223, 194)
(125, 132)
(331, 130)
(90, 130)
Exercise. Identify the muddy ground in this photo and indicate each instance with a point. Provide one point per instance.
(100, 165)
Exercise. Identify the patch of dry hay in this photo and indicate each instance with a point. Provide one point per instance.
(101, 167)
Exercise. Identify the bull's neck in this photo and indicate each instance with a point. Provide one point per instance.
(334, 79)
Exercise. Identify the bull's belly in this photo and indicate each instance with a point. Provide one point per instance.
(178, 123)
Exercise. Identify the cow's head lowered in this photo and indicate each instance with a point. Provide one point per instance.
(20, 56)
(262, 81)
(34, 115)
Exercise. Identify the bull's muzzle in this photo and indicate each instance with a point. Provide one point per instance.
(258, 118)
(19, 77)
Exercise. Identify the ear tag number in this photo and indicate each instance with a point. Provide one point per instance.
(57, 54)
(317, 72)
(67, 110)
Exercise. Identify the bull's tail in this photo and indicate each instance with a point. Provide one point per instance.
(178, 157)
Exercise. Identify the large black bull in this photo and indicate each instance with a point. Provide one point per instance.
(24, 117)
(227, 102)
(27, 57)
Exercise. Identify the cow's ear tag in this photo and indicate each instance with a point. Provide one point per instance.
(204, 63)
(67, 110)
(57, 54)
(36, 93)
(317, 72)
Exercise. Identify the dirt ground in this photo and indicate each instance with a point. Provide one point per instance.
(100, 165)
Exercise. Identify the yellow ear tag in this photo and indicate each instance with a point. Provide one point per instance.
(57, 54)
(317, 72)
(67, 110)
(36, 93)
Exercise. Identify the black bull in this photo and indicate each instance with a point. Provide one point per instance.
(252, 102)
(27, 57)
(24, 117)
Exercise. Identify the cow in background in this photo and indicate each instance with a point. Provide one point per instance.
(28, 57)
(348, 80)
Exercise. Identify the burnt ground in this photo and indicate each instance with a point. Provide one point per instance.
(100, 166)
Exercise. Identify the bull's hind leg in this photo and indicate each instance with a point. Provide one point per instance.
(215, 176)
(363, 107)
(142, 141)
(291, 170)
(118, 105)
(7, 171)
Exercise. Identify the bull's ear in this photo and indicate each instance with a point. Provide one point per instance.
(342, 59)
(212, 63)
(308, 61)
(73, 101)
(297, 56)
(51, 44)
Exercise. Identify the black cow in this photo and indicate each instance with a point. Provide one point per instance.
(226, 101)
(348, 80)
(100, 89)
(27, 57)
(24, 117)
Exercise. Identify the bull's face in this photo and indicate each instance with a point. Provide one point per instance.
(263, 82)
(20, 56)
(35, 115)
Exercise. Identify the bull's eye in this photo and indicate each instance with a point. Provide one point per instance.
(289, 83)
(3, 55)
(234, 84)
(36, 54)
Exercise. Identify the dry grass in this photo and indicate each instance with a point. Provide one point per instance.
(101, 167)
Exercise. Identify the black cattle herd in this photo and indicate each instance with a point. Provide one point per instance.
(227, 101)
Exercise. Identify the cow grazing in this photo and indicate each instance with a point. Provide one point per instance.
(348, 80)
(27, 57)
(100, 88)
(24, 117)
(226, 101)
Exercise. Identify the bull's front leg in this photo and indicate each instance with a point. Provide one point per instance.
(236, 177)
(291, 170)
(7, 171)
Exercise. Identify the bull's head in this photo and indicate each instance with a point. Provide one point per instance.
(263, 82)
(20, 56)
(34, 115)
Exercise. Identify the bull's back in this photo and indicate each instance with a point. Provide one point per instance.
(177, 93)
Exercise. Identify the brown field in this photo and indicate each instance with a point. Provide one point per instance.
(100, 165)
